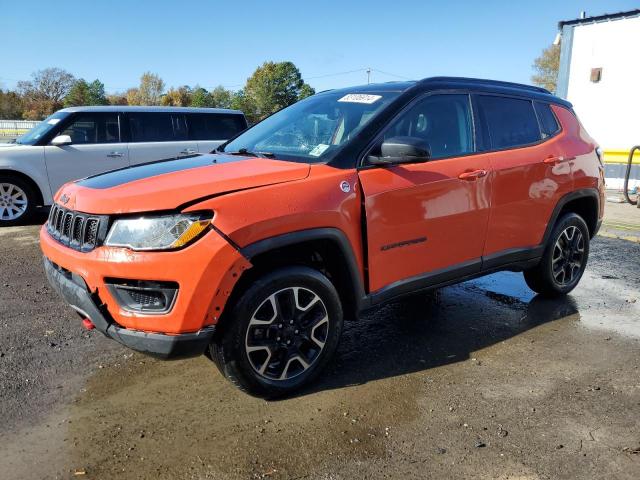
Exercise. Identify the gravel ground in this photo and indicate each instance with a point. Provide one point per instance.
(480, 380)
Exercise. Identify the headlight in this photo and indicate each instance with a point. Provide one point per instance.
(163, 232)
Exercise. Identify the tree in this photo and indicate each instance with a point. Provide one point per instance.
(78, 95)
(96, 93)
(546, 68)
(150, 89)
(306, 91)
(221, 97)
(133, 96)
(178, 97)
(83, 93)
(201, 98)
(273, 86)
(44, 93)
(11, 105)
(117, 99)
(241, 101)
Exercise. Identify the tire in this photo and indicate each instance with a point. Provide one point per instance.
(295, 304)
(17, 201)
(564, 259)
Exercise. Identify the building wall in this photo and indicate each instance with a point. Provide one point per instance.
(608, 109)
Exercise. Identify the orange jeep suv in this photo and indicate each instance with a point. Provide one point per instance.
(254, 254)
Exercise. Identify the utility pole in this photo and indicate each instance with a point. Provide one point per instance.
(368, 76)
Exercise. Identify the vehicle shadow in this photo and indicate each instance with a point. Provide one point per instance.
(431, 330)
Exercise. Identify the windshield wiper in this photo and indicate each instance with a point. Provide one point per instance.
(248, 153)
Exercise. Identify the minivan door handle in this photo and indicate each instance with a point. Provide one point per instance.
(115, 154)
(472, 175)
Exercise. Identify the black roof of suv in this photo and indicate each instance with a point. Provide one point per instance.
(476, 84)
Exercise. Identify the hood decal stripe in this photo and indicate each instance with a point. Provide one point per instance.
(121, 176)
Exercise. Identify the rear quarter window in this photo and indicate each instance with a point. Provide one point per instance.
(510, 122)
(214, 126)
(548, 122)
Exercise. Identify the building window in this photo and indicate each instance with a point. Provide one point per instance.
(596, 75)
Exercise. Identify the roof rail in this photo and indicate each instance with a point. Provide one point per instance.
(481, 81)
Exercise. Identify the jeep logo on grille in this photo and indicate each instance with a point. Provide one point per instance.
(64, 198)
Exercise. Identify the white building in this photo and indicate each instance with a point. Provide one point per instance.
(600, 74)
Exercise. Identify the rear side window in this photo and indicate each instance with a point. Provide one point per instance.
(214, 126)
(157, 127)
(511, 122)
(87, 128)
(548, 123)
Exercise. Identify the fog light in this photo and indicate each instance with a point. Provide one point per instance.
(142, 296)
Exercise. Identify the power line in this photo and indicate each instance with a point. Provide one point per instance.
(391, 74)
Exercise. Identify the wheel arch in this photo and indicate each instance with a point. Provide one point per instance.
(325, 249)
(25, 178)
(584, 202)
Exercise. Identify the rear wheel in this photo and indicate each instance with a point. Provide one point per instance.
(564, 259)
(16, 201)
(280, 333)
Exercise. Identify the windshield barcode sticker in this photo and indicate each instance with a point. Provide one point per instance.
(360, 98)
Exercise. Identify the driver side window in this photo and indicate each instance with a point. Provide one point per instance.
(442, 122)
(87, 128)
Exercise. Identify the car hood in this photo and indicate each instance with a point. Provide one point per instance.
(169, 184)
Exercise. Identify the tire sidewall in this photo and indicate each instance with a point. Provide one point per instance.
(28, 191)
(566, 221)
(233, 341)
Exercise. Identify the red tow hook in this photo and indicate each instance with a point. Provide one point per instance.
(88, 324)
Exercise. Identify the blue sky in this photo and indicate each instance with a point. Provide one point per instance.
(221, 43)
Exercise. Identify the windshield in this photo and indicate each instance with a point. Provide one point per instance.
(314, 129)
(40, 130)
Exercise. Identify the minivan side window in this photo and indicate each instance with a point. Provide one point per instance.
(443, 121)
(548, 123)
(157, 127)
(214, 126)
(88, 128)
(511, 122)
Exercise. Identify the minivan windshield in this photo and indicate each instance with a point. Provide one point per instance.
(40, 130)
(312, 130)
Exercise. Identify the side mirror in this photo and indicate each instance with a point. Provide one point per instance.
(61, 140)
(402, 150)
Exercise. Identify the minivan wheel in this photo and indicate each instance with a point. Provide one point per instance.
(16, 201)
(280, 333)
(564, 258)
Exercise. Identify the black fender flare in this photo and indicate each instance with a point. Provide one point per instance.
(569, 197)
(328, 234)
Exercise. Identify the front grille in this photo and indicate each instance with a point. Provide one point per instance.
(76, 230)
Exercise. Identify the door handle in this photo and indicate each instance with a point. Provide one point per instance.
(115, 154)
(188, 151)
(472, 175)
(552, 160)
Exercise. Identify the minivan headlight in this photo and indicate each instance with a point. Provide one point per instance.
(161, 232)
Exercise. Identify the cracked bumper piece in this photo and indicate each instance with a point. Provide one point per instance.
(74, 290)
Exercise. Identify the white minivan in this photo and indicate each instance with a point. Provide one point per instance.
(81, 141)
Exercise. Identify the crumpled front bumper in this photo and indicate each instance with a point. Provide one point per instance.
(74, 290)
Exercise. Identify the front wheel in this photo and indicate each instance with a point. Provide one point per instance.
(280, 333)
(564, 258)
(16, 201)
